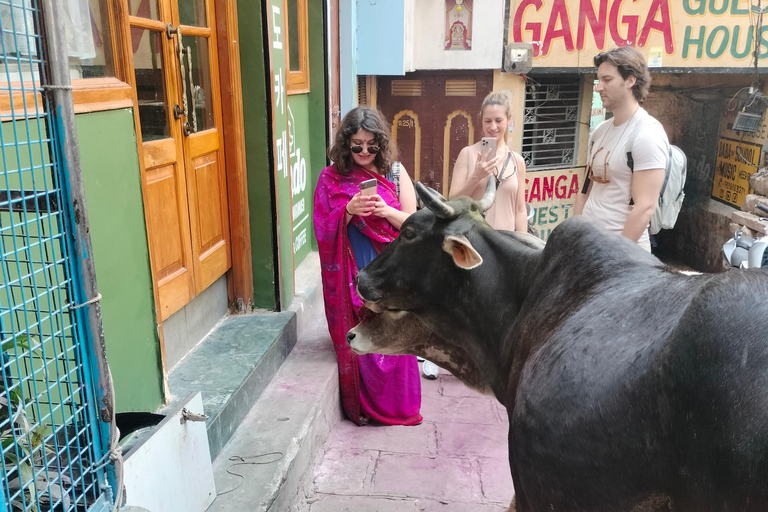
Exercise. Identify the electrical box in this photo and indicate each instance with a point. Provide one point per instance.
(518, 58)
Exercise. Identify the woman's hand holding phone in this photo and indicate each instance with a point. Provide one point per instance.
(364, 202)
(485, 165)
(361, 205)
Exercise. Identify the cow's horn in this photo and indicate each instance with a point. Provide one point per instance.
(433, 201)
(489, 197)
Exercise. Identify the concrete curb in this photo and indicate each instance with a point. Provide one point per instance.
(281, 439)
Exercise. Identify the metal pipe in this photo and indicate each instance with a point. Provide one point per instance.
(60, 89)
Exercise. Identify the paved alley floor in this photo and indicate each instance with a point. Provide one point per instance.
(454, 461)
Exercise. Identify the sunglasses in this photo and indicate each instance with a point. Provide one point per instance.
(359, 149)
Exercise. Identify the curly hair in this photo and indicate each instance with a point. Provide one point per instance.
(372, 121)
(629, 62)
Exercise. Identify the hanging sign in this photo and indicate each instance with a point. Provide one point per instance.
(672, 34)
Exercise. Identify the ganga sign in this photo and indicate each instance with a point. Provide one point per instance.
(552, 195)
(688, 33)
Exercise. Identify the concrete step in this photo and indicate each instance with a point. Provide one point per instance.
(231, 367)
(267, 464)
(234, 364)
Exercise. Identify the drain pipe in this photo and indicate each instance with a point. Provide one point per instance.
(59, 88)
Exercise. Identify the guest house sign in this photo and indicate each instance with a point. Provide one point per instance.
(671, 33)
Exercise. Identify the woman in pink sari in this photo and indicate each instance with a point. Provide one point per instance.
(351, 229)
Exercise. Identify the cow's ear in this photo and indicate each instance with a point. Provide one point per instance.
(464, 255)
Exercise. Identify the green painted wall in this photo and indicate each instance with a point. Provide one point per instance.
(306, 153)
(257, 150)
(301, 186)
(276, 31)
(317, 101)
(112, 180)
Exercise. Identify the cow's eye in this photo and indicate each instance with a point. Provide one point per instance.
(409, 233)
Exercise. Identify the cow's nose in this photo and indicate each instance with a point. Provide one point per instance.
(350, 337)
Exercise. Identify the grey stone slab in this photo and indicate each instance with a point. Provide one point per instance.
(489, 441)
(450, 386)
(416, 439)
(358, 504)
(436, 506)
(473, 410)
(496, 480)
(344, 471)
(413, 476)
(309, 294)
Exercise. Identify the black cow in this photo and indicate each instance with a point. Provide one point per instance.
(629, 386)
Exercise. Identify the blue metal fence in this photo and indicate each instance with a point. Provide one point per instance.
(51, 450)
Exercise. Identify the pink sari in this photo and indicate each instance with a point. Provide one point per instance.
(385, 388)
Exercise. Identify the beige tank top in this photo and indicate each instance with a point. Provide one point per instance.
(501, 215)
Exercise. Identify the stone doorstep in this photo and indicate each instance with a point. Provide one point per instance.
(235, 363)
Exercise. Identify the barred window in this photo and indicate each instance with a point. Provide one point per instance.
(551, 121)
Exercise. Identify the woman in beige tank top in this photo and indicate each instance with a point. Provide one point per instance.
(473, 169)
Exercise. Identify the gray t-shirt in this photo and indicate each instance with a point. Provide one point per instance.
(608, 203)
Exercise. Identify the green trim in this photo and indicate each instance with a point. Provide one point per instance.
(257, 121)
(318, 112)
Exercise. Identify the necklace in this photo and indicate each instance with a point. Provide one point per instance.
(590, 173)
(499, 174)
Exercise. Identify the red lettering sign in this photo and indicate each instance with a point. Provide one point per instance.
(624, 30)
(558, 16)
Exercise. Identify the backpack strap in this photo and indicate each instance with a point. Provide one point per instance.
(666, 172)
(628, 149)
(587, 181)
(396, 176)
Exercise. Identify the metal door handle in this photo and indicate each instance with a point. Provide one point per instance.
(180, 55)
(192, 90)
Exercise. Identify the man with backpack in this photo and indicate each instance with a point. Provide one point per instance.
(628, 153)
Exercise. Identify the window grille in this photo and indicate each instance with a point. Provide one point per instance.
(551, 122)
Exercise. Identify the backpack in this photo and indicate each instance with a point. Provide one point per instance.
(672, 194)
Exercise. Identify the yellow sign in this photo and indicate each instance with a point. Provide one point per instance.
(736, 162)
(552, 195)
(671, 33)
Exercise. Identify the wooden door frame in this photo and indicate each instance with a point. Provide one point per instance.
(240, 275)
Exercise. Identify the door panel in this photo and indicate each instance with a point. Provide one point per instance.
(168, 238)
(206, 178)
(433, 117)
(166, 225)
(176, 80)
(209, 220)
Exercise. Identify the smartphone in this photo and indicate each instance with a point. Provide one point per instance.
(488, 147)
(368, 187)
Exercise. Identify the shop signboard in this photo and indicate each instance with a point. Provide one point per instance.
(275, 10)
(552, 195)
(671, 34)
(738, 155)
